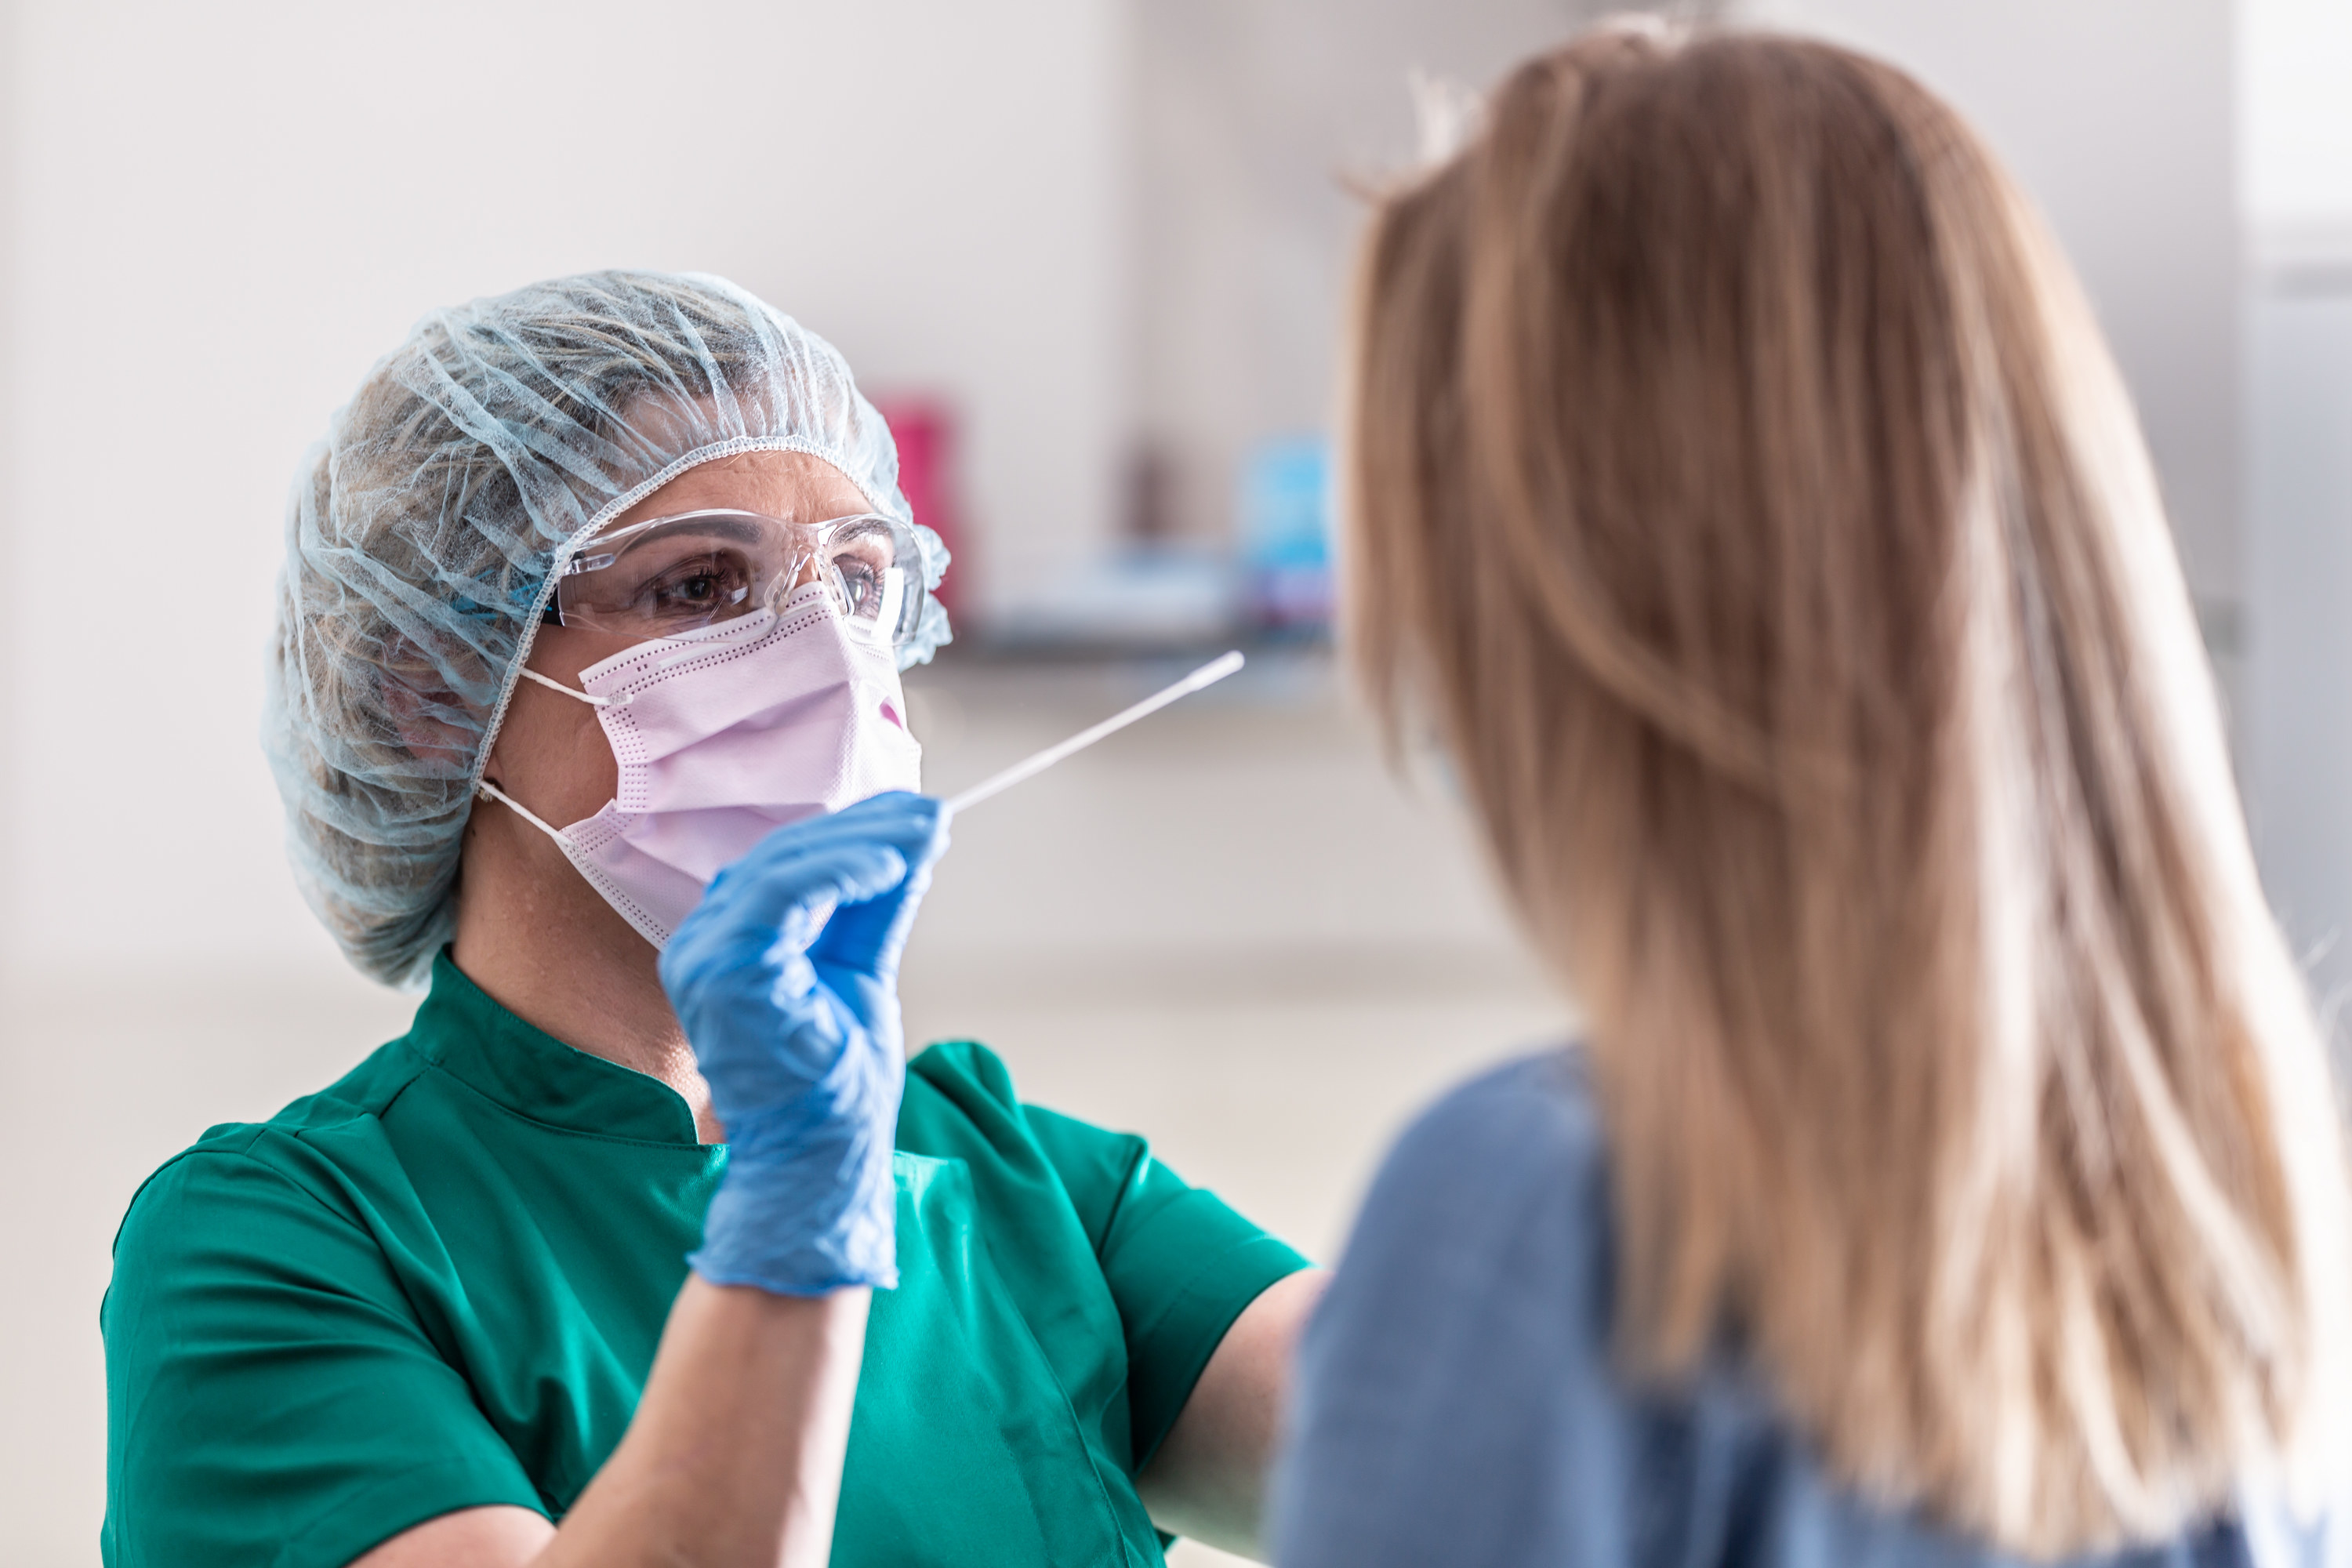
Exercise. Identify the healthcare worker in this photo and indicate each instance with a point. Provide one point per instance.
(1950, 1170)
(589, 589)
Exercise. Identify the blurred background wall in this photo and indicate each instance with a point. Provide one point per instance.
(1109, 238)
(2297, 199)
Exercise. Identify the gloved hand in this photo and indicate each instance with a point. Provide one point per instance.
(786, 979)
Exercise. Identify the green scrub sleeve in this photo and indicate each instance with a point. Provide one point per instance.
(273, 1375)
(1181, 1265)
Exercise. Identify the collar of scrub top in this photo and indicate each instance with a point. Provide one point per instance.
(528, 1071)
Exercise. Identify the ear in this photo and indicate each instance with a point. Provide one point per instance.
(422, 709)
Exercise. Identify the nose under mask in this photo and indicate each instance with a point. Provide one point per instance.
(722, 735)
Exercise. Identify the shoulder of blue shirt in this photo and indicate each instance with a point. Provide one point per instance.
(1531, 1119)
(1507, 1171)
(1473, 1308)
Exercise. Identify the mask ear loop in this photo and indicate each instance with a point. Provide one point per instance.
(493, 791)
(619, 699)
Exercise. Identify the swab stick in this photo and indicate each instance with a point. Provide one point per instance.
(1209, 674)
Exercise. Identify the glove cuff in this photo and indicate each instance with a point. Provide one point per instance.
(817, 1215)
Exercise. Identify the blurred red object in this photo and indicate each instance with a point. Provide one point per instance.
(925, 429)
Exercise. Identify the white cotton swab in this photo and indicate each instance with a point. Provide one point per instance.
(1209, 674)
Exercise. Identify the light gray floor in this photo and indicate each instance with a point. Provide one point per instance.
(1230, 929)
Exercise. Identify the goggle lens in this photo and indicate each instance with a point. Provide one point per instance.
(669, 575)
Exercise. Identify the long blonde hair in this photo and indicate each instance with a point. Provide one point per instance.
(1737, 475)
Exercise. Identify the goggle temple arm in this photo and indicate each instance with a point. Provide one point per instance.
(553, 615)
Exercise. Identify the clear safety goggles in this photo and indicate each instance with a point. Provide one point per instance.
(669, 575)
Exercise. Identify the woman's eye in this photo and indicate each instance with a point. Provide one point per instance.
(859, 586)
(697, 587)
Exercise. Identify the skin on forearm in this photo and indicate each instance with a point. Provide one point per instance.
(734, 1458)
(1208, 1481)
(732, 1461)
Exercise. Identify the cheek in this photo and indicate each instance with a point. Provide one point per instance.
(552, 755)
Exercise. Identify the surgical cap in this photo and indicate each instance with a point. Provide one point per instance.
(424, 534)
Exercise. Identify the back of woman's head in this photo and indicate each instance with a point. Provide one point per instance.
(1737, 475)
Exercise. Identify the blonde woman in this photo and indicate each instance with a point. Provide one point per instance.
(1741, 490)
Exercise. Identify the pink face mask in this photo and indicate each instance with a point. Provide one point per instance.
(723, 734)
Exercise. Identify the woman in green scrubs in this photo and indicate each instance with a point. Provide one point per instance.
(441, 1312)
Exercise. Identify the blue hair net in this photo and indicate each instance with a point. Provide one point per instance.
(423, 536)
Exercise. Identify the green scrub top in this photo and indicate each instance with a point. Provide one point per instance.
(439, 1284)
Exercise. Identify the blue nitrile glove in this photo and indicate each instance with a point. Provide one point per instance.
(786, 978)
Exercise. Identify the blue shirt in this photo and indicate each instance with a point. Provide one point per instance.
(1457, 1404)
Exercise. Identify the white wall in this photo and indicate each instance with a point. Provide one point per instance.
(220, 216)
(1252, 119)
(224, 213)
(2299, 664)
(12, 144)
(2118, 117)
(2295, 57)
